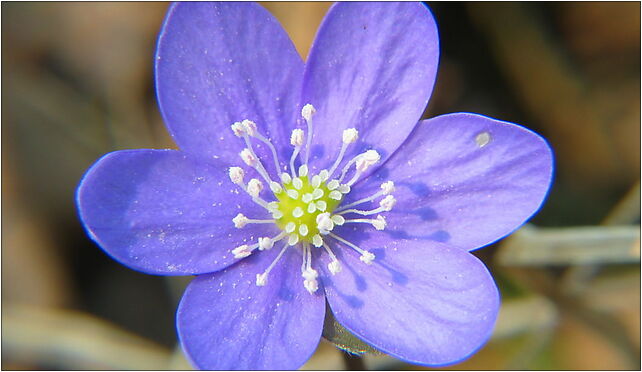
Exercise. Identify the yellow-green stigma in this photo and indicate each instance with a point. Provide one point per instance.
(300, 203)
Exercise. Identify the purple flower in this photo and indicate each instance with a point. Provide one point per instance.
(377, 216)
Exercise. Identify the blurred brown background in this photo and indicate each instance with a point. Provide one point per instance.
(77, 82)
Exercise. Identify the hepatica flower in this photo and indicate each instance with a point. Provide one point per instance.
(300, 183)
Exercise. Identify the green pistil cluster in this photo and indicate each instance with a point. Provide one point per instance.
(301, 203)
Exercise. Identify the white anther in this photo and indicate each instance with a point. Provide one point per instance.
(265, 243)
(388, 202)
(336, 195)
(350, 136)
(285, 178)
(248, 157)
(312, 207)
(297, 183)
(277, 214)
(317, 240)
(249, 126)
(275, 187)
(238, 129)
(240, 221)
(338, 220)
(366, 160)
(261, 279)
(367, 257)
(303, 230)
(307, 111)
(297, 212)
(324, 223)
(388, 187)
(254, 187)
(306, 198)
(303, 170)
(324, 174)
(236, 175)
(290, 227)
(316, 181)
(310, 274)
(344, 189)
(293, 194)
(242, 251)
(293, 239)
(334, 267)
(317, 194)
(379, 223)
(296, 139)
(333, 184)
(321, 205)
(311, 285)
(272, 206)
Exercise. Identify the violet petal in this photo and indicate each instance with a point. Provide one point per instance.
(219, 63)
(372, 67)
(225, 321)
(423, 302)
(160, 212)
(464, 179)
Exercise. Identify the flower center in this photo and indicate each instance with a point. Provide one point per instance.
(302, 201)
(307, 207)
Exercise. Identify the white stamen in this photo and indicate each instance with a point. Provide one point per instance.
(350, 135)
(276, 188)
(306, 198)
(388, 203)
(297, 183)
(316, 181)
(242, 251)
(379, 223)
(293, 239)
(296, 138)
(303, 230)
(303, 170)
(388, 187)
(261, 279)
(336, 195)
(324, 223)
(366, 257)
(317, 194)
(324, 174)
(312, 207)
(307, 111)
(240, 221)
(277, 214)
(344, 189)
(285, 178)
(248, 157)
(334, 266)
(338, 220)
(238, 129)
(307, 272)
(265, 243)
(293, 194)
(290, 227)
(250, 127)
(332, 185)
(236, 175)
(254, 187)
(365, 161)
(297, 212)
(322, 205)
(317, 240)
